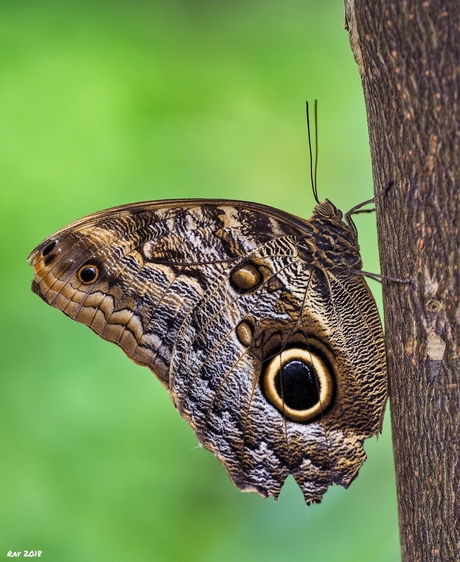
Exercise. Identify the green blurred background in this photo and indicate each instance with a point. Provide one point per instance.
(105, 103)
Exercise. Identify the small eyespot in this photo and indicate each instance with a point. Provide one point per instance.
(88, 274)
(245, 332)
(47, 249)
(246, 277)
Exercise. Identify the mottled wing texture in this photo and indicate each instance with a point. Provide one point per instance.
(229, 304)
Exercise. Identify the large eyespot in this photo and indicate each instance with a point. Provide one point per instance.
(88, 274)
(299, 383)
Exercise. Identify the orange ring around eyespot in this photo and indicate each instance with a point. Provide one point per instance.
(90, 281)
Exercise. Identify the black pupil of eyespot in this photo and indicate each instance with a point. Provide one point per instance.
(88, 274)
(298, 385)
(48, 248)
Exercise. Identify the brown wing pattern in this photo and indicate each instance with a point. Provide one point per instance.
(267, 340)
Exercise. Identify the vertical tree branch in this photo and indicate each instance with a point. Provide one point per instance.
(408, 54)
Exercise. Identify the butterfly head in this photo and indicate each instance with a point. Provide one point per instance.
(327, 211)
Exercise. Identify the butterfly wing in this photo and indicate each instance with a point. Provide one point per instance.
(217, 300)
(295, 315)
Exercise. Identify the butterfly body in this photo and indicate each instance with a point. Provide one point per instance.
(257, 322)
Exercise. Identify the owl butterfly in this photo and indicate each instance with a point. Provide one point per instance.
(258, 323)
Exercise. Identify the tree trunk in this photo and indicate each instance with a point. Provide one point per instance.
(408, 54)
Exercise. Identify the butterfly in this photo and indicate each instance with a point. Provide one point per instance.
(259, 324)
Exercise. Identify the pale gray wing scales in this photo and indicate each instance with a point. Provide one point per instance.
(216, 381)
(214, 375)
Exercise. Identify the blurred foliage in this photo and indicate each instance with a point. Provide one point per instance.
(104, 103)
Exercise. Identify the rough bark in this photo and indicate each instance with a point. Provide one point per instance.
(408, 54)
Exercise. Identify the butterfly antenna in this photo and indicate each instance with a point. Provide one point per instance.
(313, 162)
